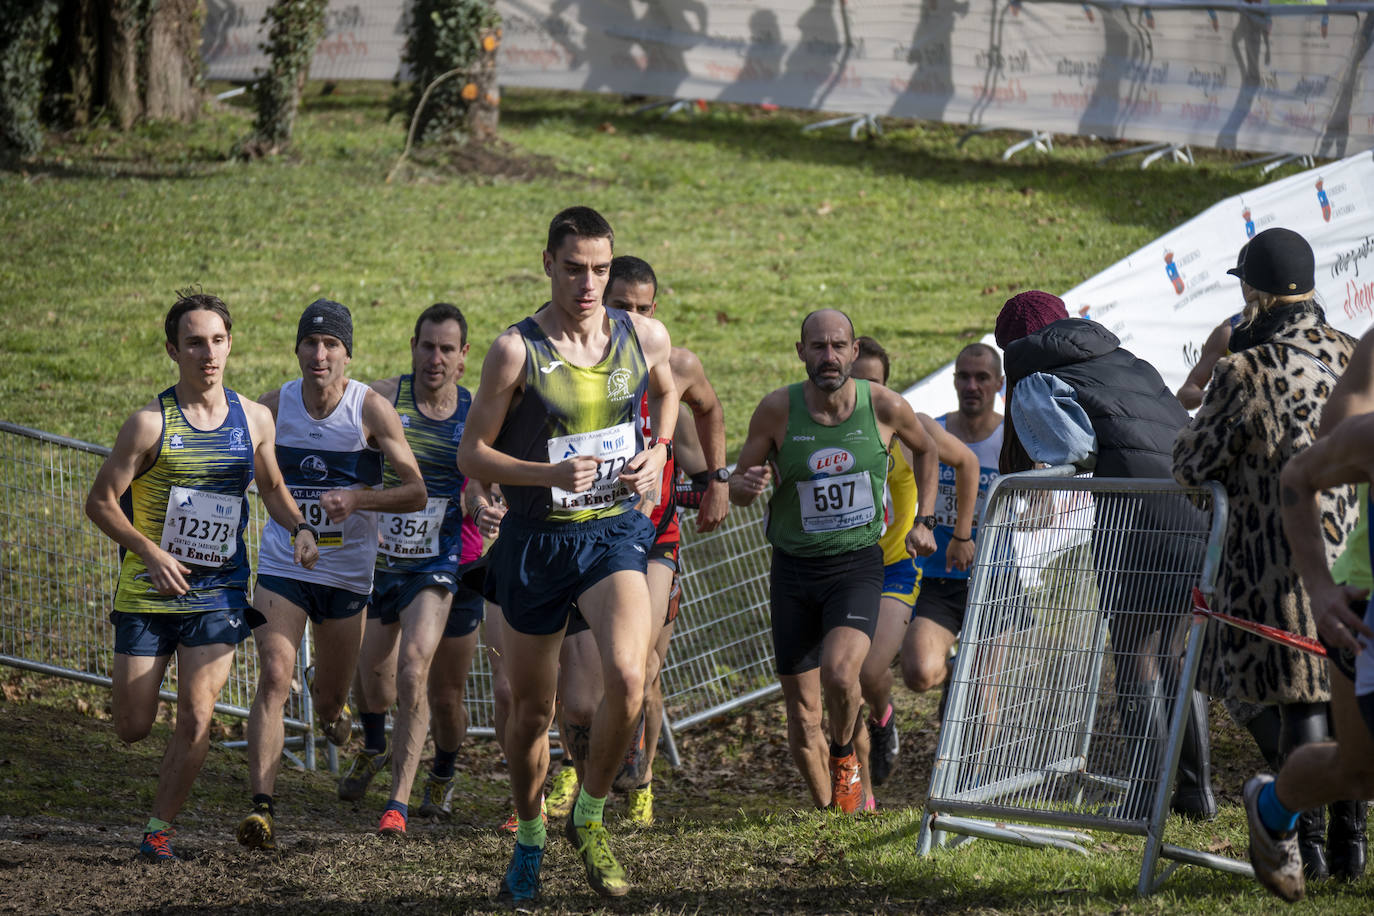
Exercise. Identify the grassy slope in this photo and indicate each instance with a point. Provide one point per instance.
(749, 222)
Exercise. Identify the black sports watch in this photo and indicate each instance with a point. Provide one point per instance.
(720, 475)
(305, 526)
(927, 520)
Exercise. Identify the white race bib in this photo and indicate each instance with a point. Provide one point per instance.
(308, 501)
(615, 446)
(412, 534)
(836, 503)
(201, 527)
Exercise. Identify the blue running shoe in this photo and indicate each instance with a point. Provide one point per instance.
(520, 884)
(157, 847)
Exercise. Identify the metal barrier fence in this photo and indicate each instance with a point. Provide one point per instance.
(58, 574)
(1069, 697)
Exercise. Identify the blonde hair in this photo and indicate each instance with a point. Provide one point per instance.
(1259, 301)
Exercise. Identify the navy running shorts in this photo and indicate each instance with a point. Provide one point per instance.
(393, 592)
(320, 602)
(156, 635)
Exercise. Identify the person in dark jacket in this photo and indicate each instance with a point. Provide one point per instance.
(1074, 396)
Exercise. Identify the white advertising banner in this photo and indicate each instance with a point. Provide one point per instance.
(1165, 298)
(1284, 78)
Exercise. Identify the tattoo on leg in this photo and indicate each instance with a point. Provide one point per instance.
(579, 742)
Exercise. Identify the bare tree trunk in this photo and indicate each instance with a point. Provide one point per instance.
(121, 56)
(171, 63)
(484, 106)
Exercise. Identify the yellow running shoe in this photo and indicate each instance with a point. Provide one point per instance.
(255, 830)
(604, 873)
(642, 805)
(563, 793)
(353, 784)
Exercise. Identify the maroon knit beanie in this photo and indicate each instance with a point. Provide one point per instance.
(1025, 313)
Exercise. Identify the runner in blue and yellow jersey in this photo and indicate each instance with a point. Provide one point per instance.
(184, 462)
(556, 423)
(416, 579)
(949, 512)
(826, 440)
(332, 435)
(699, 451)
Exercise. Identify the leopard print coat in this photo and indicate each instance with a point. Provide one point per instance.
(1263, 406)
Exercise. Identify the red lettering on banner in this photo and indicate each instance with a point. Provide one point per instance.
(1012, 92)
(1359, 297)
(538, 58)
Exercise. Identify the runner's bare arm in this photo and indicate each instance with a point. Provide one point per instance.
(1214, 348)
(1341, 457)
(483, 503)
(387, 388)
(134, 451)
(952, 452)
(503, 372)
(270, 400)
(708, 418)
(1354, 393)
(272, 489)
(766, 429)
(382, 428)
(895, 417)
(644, 472)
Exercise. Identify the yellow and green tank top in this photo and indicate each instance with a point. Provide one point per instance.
(566, 410)
(829, 494)
(899, 506)
(192, 503)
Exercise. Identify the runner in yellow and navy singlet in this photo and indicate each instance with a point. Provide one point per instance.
(192, 501)
(171, 495)
(827, 441)
(555, 422)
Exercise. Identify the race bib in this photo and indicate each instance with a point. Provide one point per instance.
(201, 527)
(615, 446)
(412, 534)
(308, 501)
(836, 503)
(946, 499)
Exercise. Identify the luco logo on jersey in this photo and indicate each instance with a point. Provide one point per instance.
(829, 461)
(618, 385)
(314, 468)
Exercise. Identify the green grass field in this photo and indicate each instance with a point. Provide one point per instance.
(749, 223)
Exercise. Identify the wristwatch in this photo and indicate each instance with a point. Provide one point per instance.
(665, 442)
(305, 526)
(927, 520)
(719, 475)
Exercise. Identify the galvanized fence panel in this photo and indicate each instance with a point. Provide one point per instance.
(58, 574)
(1068, 699)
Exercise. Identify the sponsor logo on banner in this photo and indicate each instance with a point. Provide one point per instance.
(1324, 201)
(1326, 22)
(1171, 271)
(1088, 11)
(1216, 23)
(827, 462)
(1249, 223)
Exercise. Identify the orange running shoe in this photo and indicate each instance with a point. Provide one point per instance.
(846, 789)
(393, 823)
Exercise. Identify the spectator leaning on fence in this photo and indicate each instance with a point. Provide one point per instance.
(1262, 407)
(827, 440)
(332, 433)
(185, 461)
(1074, 396)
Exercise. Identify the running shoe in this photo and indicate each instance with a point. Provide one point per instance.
(631, 772)
(520, 883)
(642, 805)
(846, 789)
(157, 847)
(884, 745)
(255, 830)
(365, 765)
(604, 873)
(563, 794)
(512, 823)
(393, 824)
(438, 797)
(1276, 859)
